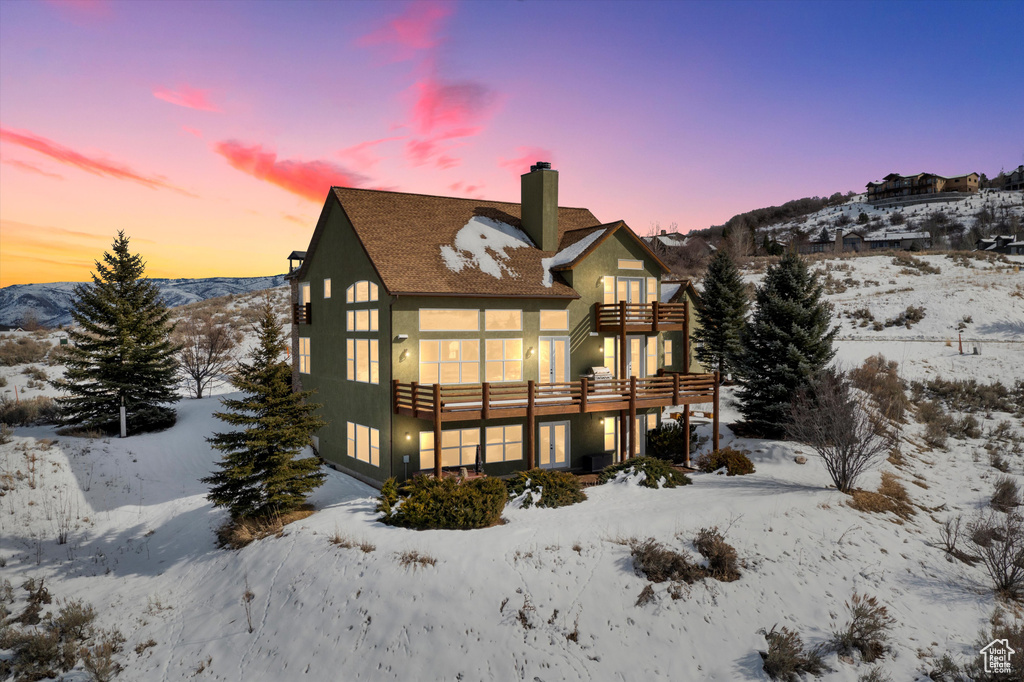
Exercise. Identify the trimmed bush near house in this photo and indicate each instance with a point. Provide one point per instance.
(657, 472)
(555, 488)
(424, 502)
(736, 462)
(668, 441)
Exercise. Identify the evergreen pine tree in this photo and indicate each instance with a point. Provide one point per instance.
(260, 472)
(120, 352)
(786, 342)
(721, 316)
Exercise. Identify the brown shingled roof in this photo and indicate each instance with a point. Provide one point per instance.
(610, 229)
(403, 235)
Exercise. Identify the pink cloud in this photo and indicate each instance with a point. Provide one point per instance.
(527, 157)
(308, 179)
(32, 168)
(445, 111)
(186, 96)
(295, 219)
(362, 155)
(444, 162)
(94, 165)
(416, 29)
(89, 10)
(193, 131)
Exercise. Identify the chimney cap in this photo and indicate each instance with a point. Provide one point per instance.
(540, 165)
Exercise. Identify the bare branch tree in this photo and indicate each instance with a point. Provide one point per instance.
(835, 421)
(998, 540)
(206, 351)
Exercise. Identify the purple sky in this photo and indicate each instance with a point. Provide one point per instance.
(211, 132)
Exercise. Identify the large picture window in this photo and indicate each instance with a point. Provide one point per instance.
(362, 320)
(450, 361)
(503, 320)
(458, 448)
(504, 360)
(449, 320)
(504, 443)
(364, 443)
(363, 363)
(361, 292)
(303, 355)
(554, 320)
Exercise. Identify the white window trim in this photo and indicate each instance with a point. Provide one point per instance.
(327, 287)
(630, 264)
(352, 360)
(354, 434)
(503, 446)
(460, 362)
(304, 355)
(419, 319)
(427, 451)
(554, 329)
(504, 363)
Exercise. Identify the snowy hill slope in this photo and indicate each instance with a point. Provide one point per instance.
(551, 594)
(51, 303)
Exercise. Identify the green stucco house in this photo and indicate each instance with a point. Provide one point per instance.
(445, 333)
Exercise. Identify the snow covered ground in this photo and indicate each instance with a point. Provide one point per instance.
(551, 594)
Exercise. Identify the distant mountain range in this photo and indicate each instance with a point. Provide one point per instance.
(50, 304)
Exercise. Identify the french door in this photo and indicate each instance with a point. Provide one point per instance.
(553, 359)
(553, 445)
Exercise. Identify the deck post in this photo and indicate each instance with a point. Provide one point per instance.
(715, 414)
(623, 435)
(415, 398)
(583, 394)
(654, 324)
(622, 340)
(531, 428)
(686, 334)
(632, 416)
(437, 431)
(394, 395)
(675, 388)
(485, 405)
(686, 428)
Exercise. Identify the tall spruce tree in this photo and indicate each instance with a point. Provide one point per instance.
(260, 472)
(120, 351)
(787, 341)
(722, 314)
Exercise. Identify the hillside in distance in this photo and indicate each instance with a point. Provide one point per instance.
(50, 304)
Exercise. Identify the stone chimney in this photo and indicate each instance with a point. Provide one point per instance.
(540, 205)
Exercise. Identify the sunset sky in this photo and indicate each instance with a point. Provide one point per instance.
(211, 131)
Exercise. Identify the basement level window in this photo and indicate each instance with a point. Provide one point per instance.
(364, 443)
(327, 287)
(629, 264)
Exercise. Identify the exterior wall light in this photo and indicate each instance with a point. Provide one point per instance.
(408, 436)
(404, 355)
(529, 352)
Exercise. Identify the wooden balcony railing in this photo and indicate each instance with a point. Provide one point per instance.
(641, 317)
(302, 313)
(439, 403)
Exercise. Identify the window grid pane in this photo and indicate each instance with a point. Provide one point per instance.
(609, 290)
(668, 352)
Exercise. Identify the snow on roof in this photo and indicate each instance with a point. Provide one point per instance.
(669, 290)
(567, 255)
(880, 236)
(481, 243)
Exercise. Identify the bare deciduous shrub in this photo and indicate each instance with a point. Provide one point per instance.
(950, 534)
(868, 629)
(22, 350)
(998, 540)
(875, 675)
(28, 411)
(834, 421)
(786, 658)
(416, 559)
(945, 669)
(142, 646)
(1006, 497)
(206, 350)
(723, 563)
(646, 595)
(74, 620)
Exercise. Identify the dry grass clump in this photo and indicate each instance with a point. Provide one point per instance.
(415, 559)
(22, 350)
(659, 563)
(891, 497)
(346, 542)
(37, 410)
(240, 532)
(914, 266)
(735, 462)
(787, 659)
(1006, 497)
(723, 563)
(868, 629)
(908, 318)
(880, 379)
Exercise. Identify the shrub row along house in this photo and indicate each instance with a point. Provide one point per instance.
(894, 185)
(441, 332)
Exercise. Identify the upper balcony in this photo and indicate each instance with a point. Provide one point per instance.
(641, 318)
(302, 313)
